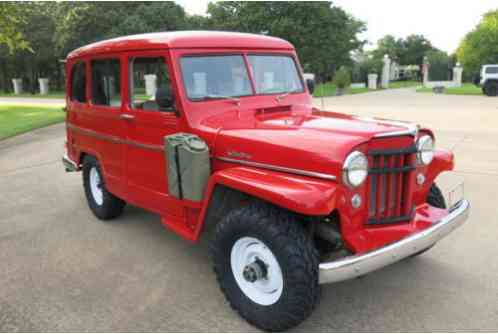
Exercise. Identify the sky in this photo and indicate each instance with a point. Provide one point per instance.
(443, 22)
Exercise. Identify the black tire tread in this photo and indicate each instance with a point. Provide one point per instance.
(112, 206)
(491, 88)
(301, 271)
(435, 197)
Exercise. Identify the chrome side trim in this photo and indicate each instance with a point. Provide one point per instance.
(69, 164)
(358, 265)
(278, 168)
(114, 139)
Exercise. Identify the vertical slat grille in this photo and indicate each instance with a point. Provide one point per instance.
(390, 185)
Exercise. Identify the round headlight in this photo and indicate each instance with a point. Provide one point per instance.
(425, 148)
(355, 169)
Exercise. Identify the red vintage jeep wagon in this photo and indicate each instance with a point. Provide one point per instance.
(217, 128)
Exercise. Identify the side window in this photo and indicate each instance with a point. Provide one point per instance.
(150, 86)
(106, 82)
(78, 83)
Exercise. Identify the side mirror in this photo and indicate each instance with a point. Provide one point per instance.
(311, 85)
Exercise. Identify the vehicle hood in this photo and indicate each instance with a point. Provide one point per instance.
(297, 138)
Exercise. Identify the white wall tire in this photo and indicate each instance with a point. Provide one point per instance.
(261, 236)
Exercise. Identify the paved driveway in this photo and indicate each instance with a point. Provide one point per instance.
(63, 270)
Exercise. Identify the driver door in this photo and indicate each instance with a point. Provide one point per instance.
(148, 122)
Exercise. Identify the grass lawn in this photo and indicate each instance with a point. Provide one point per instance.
(17, 119)
(329, 89)
(51, 95)
(466, 89)
(404, 84)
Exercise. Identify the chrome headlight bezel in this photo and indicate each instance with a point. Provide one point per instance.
(355, 169)
(425, 150)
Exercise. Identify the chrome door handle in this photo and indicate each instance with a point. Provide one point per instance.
(128, 117)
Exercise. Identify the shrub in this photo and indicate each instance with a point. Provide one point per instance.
(342, 78)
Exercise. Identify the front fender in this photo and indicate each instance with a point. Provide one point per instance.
(443, 161)
(301, 194)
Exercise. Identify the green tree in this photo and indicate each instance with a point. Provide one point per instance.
(389, 45)
(408, 51)
(11, 18)
(365, 64)
(440, 65)
(197, 22)
(81, 23)
(144, 17)
(480, 46)
(37, 28)
(415, 47)
(323, 35)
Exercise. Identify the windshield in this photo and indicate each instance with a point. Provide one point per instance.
(215, 77)
(226, 76)
(275, 74)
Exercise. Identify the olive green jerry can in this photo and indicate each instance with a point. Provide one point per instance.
(188, 165)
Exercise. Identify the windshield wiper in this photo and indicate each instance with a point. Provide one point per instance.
(220, 97)
(284, 95)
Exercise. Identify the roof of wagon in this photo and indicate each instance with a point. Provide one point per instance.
(183, 39)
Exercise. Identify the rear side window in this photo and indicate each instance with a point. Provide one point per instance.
(78, 83)
(492, 70)
(106, 82)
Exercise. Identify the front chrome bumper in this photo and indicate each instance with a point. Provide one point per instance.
(69, 164)
(358, 265)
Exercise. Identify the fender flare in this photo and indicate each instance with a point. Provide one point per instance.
(443, 161)
(300, 194)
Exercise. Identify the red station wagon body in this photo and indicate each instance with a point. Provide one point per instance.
(281, 150)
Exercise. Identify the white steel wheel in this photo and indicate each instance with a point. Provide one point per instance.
(103, 203)
(256, 271)
(266, 265)
(96, 186)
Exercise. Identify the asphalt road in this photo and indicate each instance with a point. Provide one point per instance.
(63, 270)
